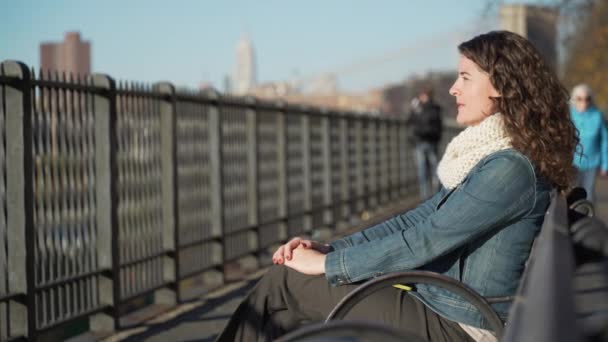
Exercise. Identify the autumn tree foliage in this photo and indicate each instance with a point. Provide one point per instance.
(587, 51)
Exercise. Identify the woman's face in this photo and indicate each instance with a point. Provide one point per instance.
(473, 91)
(581, 101)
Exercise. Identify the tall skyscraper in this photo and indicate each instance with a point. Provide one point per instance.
(537, 23)
(245, 77)
(72, 55)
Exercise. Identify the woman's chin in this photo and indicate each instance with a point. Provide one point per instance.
(460, 118)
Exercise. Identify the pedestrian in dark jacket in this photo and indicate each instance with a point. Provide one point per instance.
(425, 128)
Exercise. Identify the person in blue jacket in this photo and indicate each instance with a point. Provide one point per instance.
(592, 153)
(496, 177)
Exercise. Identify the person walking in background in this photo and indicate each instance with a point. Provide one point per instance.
(592, 152)
(425, 129)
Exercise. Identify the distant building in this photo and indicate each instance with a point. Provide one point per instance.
(537, 23)
(368, 102)
(396, 100)
(245, 77)
(205, 85)
(324, 84)
(72, 55)
(397, 97)
(273, 90)
(227, 84)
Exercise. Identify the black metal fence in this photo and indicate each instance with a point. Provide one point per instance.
(113, 191)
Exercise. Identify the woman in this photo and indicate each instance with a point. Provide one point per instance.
(496, 177)
(593, 152)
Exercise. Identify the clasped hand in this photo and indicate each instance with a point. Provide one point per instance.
(304, 256)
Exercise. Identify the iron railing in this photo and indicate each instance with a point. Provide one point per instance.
(111, 191)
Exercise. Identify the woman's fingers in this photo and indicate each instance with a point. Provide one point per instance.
(285, 252)
(277, 257)
(290, 246)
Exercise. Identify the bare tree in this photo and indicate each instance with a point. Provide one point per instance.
(587, 59)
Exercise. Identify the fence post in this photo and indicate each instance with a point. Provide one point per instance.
(215, 174)
(403, 171)
(106, 174)
(394, 174)
(252, 162)
(282, 167)
(252, 181)
(391, 158)
(20, 207)
(306, 179)
(383, 173)
(359, 182)
(328, 218)
(171, 265)
(344, 173)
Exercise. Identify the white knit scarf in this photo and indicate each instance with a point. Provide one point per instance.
(469, 147)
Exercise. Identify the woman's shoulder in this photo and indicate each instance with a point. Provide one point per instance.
(509, 157)
(508, 165)
(501, 178)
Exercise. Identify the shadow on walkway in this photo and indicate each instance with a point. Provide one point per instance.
(201, 324)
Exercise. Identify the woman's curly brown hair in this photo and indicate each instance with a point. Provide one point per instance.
(533, 102)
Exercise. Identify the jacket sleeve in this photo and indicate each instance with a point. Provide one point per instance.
(395, 224)
(604, 145)
(502, 190)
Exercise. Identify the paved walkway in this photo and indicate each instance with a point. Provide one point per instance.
(197, 321)
(203, 319)
(601, 207)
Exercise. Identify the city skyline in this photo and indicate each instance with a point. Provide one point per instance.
(196, 44)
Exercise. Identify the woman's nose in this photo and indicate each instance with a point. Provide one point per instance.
(454, 88)
(453, 91)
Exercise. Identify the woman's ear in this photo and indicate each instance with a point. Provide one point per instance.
(494, 93)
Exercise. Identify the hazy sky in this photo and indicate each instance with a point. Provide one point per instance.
(187, 42)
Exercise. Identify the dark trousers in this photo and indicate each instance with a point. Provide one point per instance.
(284, 299)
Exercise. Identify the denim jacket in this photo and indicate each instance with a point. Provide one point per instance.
(479, 233)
